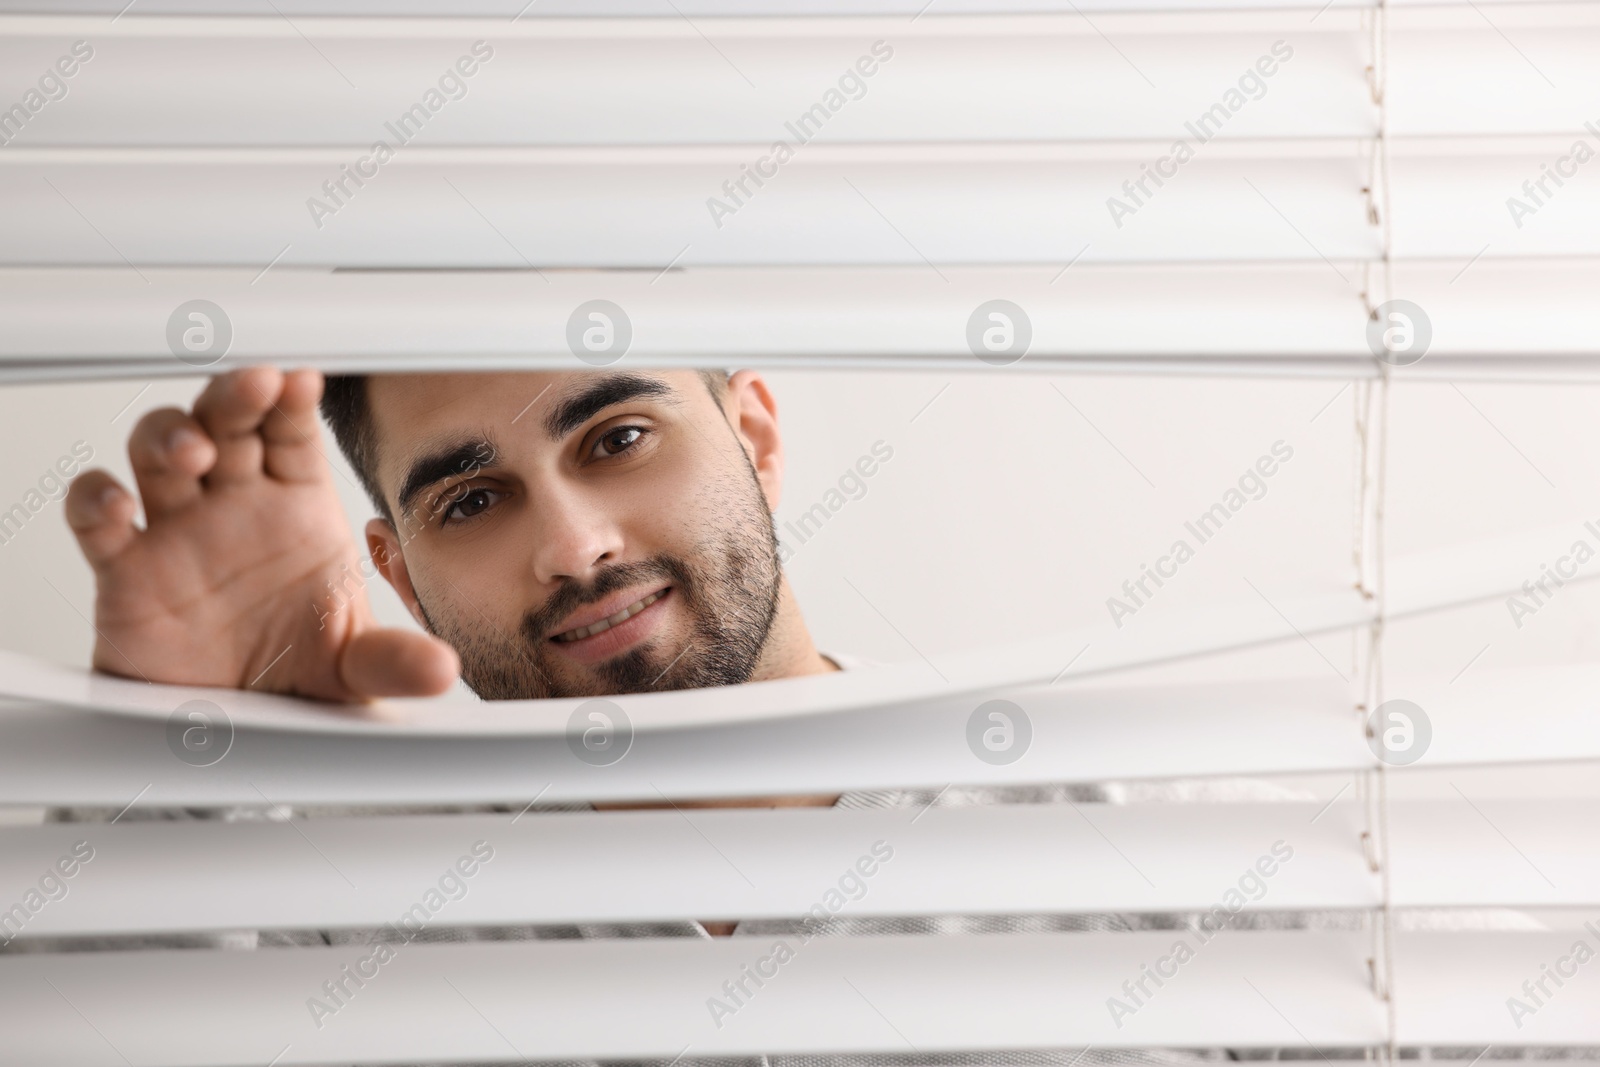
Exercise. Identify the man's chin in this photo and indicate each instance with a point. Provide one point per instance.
(645, 669)
(639, 670)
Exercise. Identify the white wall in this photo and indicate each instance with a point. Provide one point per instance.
(1017, 503)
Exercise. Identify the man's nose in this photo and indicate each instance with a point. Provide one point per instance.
(573, 538)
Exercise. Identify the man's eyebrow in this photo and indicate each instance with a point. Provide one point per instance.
(430, 468)
(581, 406)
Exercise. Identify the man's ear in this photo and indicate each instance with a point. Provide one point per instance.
(753, 414)
(384, 545)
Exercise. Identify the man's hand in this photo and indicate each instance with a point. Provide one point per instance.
(246, 574)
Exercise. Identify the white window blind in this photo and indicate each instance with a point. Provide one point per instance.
(990, 155)
(1332, 159)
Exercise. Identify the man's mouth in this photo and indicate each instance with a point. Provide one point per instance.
(622, 616)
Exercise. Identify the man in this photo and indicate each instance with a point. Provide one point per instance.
(555, 533)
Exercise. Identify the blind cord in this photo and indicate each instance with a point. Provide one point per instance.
(1381, 214)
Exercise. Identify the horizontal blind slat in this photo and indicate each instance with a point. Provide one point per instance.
(1007, 859)
(65, 757)
(564, 1000)
(61, 757)
(996, 859)
(242, 80)
(73, 323)
(40, 12)
(1457, 989)
(822, 211)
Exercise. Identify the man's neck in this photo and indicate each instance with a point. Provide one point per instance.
(789, 651)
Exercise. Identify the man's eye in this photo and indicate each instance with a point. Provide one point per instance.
(468, 505)
(618, 440)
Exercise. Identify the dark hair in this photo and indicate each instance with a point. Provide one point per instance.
(344, 405)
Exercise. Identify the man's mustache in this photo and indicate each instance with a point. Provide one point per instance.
(569, 597)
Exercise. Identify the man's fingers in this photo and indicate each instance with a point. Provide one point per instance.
(100, 512)
(232, 409)
(398, 663)
(292, 434)
(169, 451)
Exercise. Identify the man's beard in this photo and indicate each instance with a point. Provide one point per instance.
(730, 589)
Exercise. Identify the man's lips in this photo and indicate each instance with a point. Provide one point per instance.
(611, 612)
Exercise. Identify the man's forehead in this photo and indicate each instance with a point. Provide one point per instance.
(485, 396)
(410, 396)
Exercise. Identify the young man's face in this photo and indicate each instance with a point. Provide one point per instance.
(531, 509)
